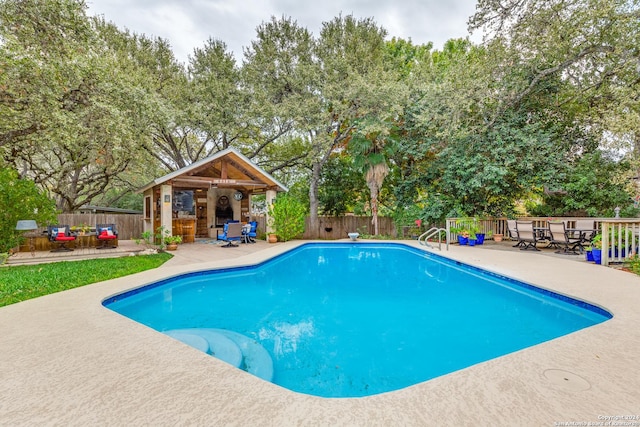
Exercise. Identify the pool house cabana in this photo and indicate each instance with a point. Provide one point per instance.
(197, 200)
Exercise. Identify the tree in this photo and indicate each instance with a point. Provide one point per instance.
(340, 186)
(218, 100)
(372, 145)
(279, 75)
(38, 38)
(351, 75)
(67, 115)
(591, 46)
(21, 200)
(161, 83)
(465, 151)
(582, 53)
(595, 185)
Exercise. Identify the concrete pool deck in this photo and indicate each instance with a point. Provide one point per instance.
(67, 360)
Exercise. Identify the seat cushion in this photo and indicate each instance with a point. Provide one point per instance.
(63, 238)
(107, 237)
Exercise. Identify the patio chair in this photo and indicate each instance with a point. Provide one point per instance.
(224, 229)
(107, 236)
(513, 232)
(62, 235)
(561, 238)
(527, 236)
(232, 232)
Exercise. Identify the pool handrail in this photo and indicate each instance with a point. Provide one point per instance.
(430, 233)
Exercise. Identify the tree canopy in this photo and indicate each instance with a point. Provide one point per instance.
(549, 100)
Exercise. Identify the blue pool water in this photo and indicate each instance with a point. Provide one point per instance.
(355, 319)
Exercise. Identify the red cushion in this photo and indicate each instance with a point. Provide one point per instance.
(60, 234)
(63, 238)
(106, 237)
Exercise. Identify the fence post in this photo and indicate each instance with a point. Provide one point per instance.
(605, 243)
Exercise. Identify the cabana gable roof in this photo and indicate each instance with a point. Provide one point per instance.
(227, 168)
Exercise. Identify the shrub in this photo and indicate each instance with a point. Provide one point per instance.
(159, 240)
(633, 264)
(21, 199)
(287, 217)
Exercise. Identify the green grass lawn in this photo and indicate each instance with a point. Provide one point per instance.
(23, 282)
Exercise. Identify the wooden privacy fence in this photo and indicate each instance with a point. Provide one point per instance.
(334, 228)
(129, 226)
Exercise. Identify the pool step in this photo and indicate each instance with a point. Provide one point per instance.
(195, 341)
(236, 349)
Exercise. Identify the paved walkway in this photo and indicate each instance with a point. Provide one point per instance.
(67, 360)
(203, 250)
(125, 248)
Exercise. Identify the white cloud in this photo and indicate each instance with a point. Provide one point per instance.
(188, 24)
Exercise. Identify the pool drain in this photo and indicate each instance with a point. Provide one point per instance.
(567, 380)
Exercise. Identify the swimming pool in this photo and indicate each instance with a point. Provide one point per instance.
(355, 319)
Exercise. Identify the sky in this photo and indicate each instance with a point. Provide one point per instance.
(187, 24)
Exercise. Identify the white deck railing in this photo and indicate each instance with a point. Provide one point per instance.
(619, 239)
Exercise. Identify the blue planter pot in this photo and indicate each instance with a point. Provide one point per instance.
(616, 252)
(463, 240)
(472, 242)
(597, 255)
(589, 256)
(480, 238)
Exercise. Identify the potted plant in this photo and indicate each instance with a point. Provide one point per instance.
(480, 236)
(157, 240)
(596, 248)
(466, 229)
(588, 253)
(172, 242)
(82, 229)
(473, 228)
(472, 236)
(463, 234)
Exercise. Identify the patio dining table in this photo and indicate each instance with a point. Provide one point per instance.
(542, 233)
